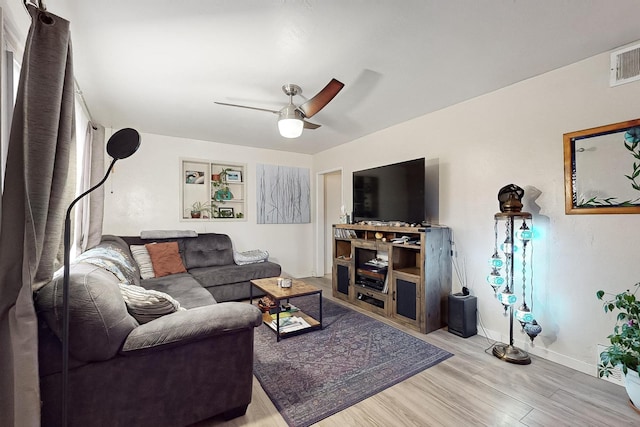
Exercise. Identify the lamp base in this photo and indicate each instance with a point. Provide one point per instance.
(511, 354)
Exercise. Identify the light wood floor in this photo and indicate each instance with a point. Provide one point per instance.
(472, 388)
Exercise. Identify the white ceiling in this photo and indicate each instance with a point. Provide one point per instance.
(158, 65)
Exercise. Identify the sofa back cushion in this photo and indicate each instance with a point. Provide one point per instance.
(208, 250)
(98, 319)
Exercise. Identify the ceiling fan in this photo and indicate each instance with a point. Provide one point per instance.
(291, 119)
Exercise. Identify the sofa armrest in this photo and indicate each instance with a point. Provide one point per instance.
(198, 323)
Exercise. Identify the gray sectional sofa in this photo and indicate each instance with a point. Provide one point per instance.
(209, 258)
(174, 370)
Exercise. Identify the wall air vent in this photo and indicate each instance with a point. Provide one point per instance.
(625, 65)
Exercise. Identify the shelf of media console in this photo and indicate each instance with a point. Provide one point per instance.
(415, 246)
(383, 291)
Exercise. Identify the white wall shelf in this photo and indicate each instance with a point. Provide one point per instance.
(218, 186)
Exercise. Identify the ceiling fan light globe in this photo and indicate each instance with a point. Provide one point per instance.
(290, 128)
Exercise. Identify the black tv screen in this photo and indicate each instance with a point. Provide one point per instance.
(393, 192)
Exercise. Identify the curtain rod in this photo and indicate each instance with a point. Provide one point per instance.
(80, 94)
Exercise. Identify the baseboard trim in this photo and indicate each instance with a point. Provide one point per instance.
(543, 352)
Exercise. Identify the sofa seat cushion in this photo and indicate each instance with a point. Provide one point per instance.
(226, 274)
(183, 288)
(208, 250)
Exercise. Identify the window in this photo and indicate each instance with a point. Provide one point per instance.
(9, 78)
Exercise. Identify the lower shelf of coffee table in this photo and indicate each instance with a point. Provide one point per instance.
(313, 323)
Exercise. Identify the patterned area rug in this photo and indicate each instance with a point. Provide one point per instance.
(314, 375)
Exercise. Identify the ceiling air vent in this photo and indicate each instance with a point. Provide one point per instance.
(625, 65)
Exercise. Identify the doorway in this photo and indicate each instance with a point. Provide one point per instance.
(328, 213)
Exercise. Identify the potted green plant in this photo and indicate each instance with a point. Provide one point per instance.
(624, 351)
(197, 208)
(222, 192)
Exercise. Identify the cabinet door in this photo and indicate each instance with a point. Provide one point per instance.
(406, 299)
(342, 274)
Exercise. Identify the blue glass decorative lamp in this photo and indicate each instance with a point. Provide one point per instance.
(510, 211)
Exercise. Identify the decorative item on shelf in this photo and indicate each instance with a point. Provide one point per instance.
(516, 241)
(221, 191)
(194, 177)
(223, 195)
(233, 175)
(624, 352)
(265, 304)
(224, 212)
(221, 176)
(199, 208)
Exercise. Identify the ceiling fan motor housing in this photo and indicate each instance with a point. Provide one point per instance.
(291, 89)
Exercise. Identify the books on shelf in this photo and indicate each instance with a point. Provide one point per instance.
(343, 233)
(289, 323)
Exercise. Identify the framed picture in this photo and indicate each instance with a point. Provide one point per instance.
(601, 169)
(234, 176)
(194, 177)
(226, 213)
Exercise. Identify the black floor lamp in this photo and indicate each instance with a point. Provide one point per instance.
(121, 145)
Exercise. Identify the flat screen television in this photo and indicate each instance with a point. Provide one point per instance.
(394, 192)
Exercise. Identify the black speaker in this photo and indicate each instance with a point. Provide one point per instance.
(462, 315)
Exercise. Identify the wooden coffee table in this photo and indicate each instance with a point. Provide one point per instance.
(276, 293)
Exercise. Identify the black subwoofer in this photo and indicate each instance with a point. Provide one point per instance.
(462, 315)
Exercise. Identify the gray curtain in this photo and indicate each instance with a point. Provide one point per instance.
(38, 189)
(89, 211)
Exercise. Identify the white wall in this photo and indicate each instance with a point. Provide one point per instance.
(514, 135)
(143, 193)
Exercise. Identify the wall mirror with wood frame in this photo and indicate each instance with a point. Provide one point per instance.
(602, 169)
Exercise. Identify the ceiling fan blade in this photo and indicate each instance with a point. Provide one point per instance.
(322, 98)
(244, 106)
(309, 125)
